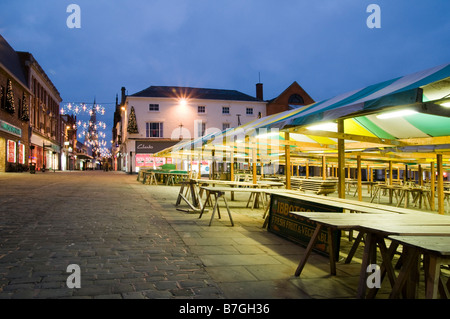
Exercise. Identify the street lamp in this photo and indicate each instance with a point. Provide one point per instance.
(54, 153)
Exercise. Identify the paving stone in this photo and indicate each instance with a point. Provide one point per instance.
(133, 295)
(111, 296)
(218, 260)
(157, 294)
(53, 293)
(131, 243)
(182, 292)
(166, 285)
(231, 274)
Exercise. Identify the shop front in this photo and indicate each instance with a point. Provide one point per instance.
(13, 149)
(67, 158)
(149, 161)
(144, 154)
(84, 162)
(45, 154)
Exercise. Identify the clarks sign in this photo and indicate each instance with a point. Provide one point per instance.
(144, 147)
(152, 147)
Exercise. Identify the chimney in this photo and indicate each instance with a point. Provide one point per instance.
(259, 91)
(123, 96)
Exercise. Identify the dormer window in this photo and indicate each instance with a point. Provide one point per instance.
(296, 99)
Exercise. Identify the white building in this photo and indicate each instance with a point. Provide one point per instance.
(163, 115)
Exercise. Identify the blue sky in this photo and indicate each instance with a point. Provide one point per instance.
(324, 45)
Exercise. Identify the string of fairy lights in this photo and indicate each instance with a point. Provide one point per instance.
(91, 129)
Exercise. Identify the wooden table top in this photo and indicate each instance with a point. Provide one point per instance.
(426, 218)
(233, 183)
(348, 204)
(406, 230)
(233, 189)
(434, 244)
(383, 222)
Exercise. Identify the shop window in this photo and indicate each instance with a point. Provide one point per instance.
(11, 151)
(21, 153)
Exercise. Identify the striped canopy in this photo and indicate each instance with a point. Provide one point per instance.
(360, 110)
(406, 90)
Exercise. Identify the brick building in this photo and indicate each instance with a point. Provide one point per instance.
(15, 98)
(31, 129)
(47, 134)
(292, 97)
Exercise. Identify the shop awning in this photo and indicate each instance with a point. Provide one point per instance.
(411, 90)
(425, 94)
(83, 156)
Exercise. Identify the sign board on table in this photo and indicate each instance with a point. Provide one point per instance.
(297, 229)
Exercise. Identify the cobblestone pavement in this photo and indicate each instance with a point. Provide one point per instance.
(131, 242)
(104, 222)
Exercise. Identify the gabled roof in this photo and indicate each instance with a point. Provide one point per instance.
(194, 93)
(293, 86)
(11, 61)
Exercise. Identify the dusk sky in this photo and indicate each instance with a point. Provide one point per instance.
(326, 46)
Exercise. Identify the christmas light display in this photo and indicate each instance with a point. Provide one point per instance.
(25, 116)
(89, 127)
(10, 105)
(132, 124)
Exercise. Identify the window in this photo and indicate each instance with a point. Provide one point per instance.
(225, 110)
(11, 151)
(154, 129)
(296, 99)
(21, 153)
(201, 128)
(153, 107)
(249, 111)
(201, 109)
(225, 126)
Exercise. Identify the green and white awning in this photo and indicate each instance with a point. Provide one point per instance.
(426, 94)
(425, 86)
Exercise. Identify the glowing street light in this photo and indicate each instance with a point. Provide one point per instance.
(183, 102)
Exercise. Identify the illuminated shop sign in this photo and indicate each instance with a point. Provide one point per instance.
(152, 147)
(11, 129)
